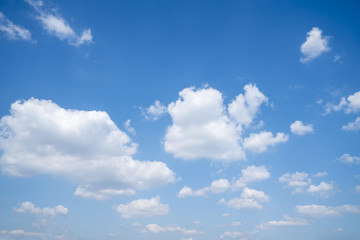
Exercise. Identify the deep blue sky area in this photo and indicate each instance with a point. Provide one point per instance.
(182, 120)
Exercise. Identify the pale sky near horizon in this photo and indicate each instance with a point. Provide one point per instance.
(188, 120)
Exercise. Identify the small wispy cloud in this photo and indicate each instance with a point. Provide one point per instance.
(14, 31)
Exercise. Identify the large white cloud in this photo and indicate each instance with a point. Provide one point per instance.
(299, 128)
(57, 26)
(12, 30)
(143, 208)
(314, 45)
(201, 129)
(204, 128)
(40, 137)
(324, 211)
(29, 207)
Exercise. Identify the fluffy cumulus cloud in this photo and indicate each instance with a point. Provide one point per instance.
(250, 199)
(29, 207)
(285, 222)
(40, 137)
(55, 25)
(143, 208)
(314, 46)
(324, 211)
(259, 142)
(217, 186)
(203, 127)
(13, 31)
(248, 175)
(347, 158)
(350, 104)
(301, 183)
(352, 126)
(322, 190)
(155, 111)
(299, 128)
(155, 228)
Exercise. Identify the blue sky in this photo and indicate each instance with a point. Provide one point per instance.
(179, 120)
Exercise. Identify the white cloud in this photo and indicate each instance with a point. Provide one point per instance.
(155, 228)
(245, 107)
(322, 190)
(19, 233)
(352, 126)
(351, 104)
(297, 180)
(57, 26)
(299, 128)
(250, 199)
(39, 137)
(238, 235)
(286, 222)
(153, 112)
(314, 45)
(324, 211)
(259, 142)
(251, 174)
(13, 31)
(357, 188)
(128, 127)
(347, 158)
(143, 208)
(29, 207)
(201, 128)
(217, 186)
(320, 174)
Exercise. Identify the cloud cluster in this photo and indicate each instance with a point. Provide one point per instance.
(248, 175)
(314, 45)
(324, 211)
(155, 228)
(250, 198)
(299, 128)
(40, 137)
(12, 30)
(29, 207)
(203, 127)
(143, 208)
(55, 25)
(301, 182)
(286, 222)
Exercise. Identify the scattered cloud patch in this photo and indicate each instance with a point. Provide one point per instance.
(352, 126)
(251, 174)
(314, 46)
(351, 104)
(238, 235)
(250, 199)
(154, 112)
(13, 31)
(128, 127)
(324, 211)
(297, 180)
(347, 158)
(55, 25)
(357, 188)
(19, 233)
(217, 186)
(155, 228)
(259, 142)
(143, 208)
(322, 190)
(299, 128)
(40, 137)
(29, 207)
(320, 174)
(286, 222)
